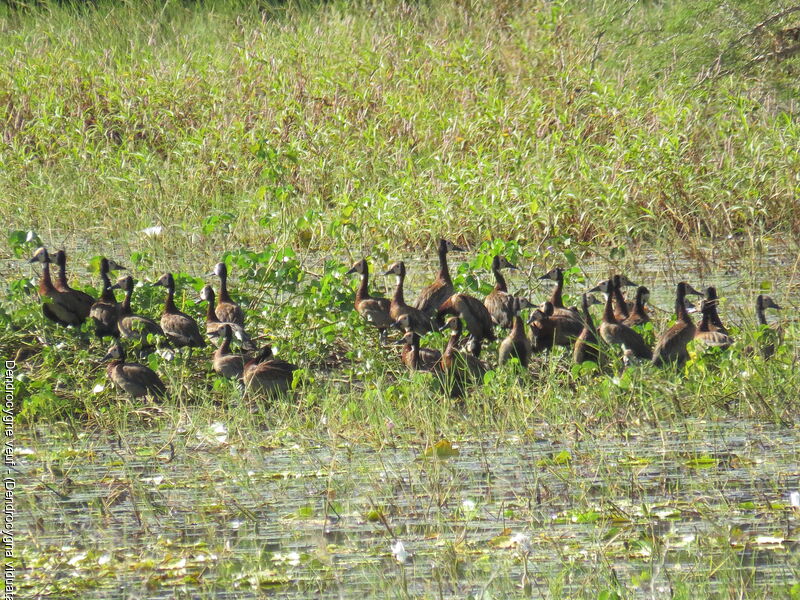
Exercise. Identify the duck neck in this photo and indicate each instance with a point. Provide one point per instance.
(108, 293)
(500, 286)
(452, 343)
(608, 313)
(556, 300)
(169, 305)
(398, 291)
(680, 305)
(62, 274)
(444, 270)
(225, 347)
(363, 289)
(706, 320)
(620, 300)
(587, 317)
(211, 312)
(414, 349)
(46, 283)
(223, 287)
(125, 309)
(518, 329)
(762, 318)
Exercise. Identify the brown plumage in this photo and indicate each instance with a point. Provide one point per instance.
(135, 379)
(623, 309)
(432, 297)
(132, 326)
(266, 375)
(418, 320)
(180, 328)
(81, 299)
(374, 310)
(638, 316)
(499, 303)
(105, 312)
(714, 322)
(475, 315)
(614, 332)
(214, 326)
(556, 298)
(416, 358)
(63, 308)
(458, 369)
(225, 362)
(227, 310)
(671, 346)
(549, 328)
(516, 344)
(587, 345)
(706, 332)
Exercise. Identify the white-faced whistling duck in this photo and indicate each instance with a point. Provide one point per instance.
(180, 328)
(549, 328)
(418, 320)
(130, 325)
(475, 315)
(714, 322)
(706, 332)
(771, 335)
(62, 285)
(63, 308)
(638, 316)
(374, 310)
(225, 362)
(105, 312)
(500, 304)
(414, 357)
(214, 326)
(133, 378)
(556, 298)
(458, 369)
(606, 288)
(587, 344)
(432, 297)
(267, 375)
(227, 310)
(516, 344)
(671, 346)
(614, 332)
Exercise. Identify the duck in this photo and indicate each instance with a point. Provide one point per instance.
(416, 358)
(105, 312)
(268, 375)
(373, 309)
(225, 362)
(214, 326)
(475, 315)
(638, 315)
(586, 346)
(132, 326)
(556, 298)
(714, 322)
(63, 308)
(671, 345)
(227, 310)
(458, 369)
(620, 312)
(549, 328)
(771, 335)
(83, 299)
(615, 333)
(516, 344)
(707, 333)
(180, 328)
(134, 379)
(499, 302)
(418, 320)
(432, 297)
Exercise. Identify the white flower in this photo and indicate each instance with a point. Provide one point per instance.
(98, 388)
(399, 552)
(794, 499)
(468, 505)
(165, 353)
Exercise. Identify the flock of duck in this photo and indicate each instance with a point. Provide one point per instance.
(438, 306)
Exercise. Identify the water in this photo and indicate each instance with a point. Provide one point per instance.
(677, 504)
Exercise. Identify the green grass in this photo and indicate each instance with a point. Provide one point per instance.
(291, 139)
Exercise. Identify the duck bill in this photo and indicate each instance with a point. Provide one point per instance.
(691, 290)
